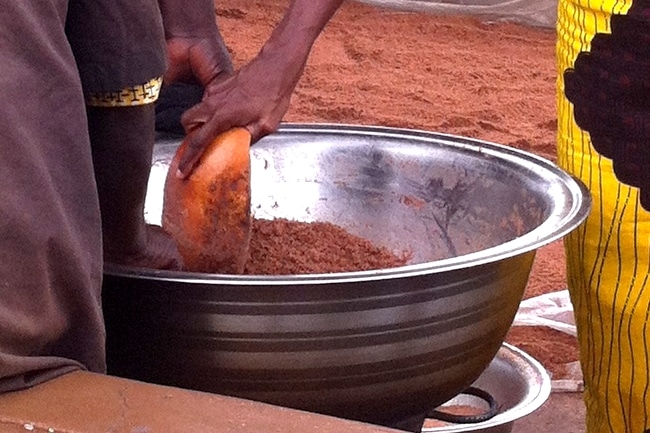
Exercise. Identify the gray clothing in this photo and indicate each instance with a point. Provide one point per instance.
(50, 231)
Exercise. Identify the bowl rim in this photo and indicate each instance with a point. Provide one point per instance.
(562, 219)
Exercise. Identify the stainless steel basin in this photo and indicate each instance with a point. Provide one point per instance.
(379, 346)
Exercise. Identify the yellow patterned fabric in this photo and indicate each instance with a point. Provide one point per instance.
(608, 258)
(131, 96)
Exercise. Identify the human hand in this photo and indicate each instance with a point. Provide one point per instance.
(202, 59)
(610, 89)
(193, 64)
(256, 97)
(197, 56)
(195, 48)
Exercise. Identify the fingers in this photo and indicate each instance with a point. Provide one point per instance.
(198, 115)
(250, 98)
(204, 123)
(173, 101)
(197, 140)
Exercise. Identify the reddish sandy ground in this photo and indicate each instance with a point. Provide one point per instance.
(456, 75)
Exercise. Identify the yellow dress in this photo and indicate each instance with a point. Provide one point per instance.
(608, 258)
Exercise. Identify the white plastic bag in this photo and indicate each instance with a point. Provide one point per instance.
(552, 310)
(555, 311)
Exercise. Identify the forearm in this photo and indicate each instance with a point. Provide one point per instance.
(198, 19)
(301, 25)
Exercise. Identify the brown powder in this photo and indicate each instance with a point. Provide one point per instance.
(554, 349)
(284, 247)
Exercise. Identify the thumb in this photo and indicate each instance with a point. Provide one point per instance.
(195, 144)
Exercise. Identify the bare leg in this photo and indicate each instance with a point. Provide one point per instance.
(122, 141)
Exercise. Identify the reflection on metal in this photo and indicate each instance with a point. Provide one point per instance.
(518, 383)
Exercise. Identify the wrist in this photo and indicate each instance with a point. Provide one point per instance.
(299, 28)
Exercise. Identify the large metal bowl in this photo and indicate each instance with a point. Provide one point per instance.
(379, 346)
